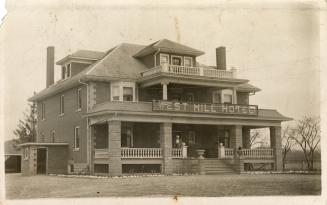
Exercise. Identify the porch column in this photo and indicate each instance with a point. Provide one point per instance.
(92, 148)
(246, 138)
(166, 146)
(236, 136)
(276, 144)
(234, 96)
(114, 140)
(164, 90)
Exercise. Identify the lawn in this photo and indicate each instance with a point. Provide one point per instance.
(19, 187)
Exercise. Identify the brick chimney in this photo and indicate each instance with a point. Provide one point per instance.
(221, 58)
(50, 66)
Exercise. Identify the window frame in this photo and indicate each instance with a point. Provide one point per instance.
(26, 153)
(79, 99)
(63, 72)
(53, 135)
(68, 70)
(190, 58)
(62, 105)
(132, 94)
(120, 85)
(175, 56)
(163, 55)
(76, 137)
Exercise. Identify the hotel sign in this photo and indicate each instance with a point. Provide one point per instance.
(228, 109)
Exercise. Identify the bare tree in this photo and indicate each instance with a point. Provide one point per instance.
(307, 136)
(258, 138)
(287, 142)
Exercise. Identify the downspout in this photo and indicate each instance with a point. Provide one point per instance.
(88, 134)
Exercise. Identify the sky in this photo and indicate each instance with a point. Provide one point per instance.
(275, 46)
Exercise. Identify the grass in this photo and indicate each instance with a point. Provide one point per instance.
(19, 187)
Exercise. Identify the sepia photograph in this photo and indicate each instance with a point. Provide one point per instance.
(161, 100)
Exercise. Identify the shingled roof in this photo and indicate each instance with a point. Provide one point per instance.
(83, 54)
(165, 45)
(117, 63)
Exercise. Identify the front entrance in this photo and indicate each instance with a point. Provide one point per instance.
(41, 161)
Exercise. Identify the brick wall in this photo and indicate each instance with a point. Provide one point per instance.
(102, 92)
(57, 159)
(64, 125)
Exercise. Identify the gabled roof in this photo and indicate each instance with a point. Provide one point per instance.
(83, 54)
(165, 45)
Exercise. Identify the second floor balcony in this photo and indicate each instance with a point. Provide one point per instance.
(200, 71)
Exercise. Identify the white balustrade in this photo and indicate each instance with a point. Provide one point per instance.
(177, 153)
(229, 153)
(190, 71)
(256, 153)
(141, 153)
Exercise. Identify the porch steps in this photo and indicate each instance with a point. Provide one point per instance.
(216, 166)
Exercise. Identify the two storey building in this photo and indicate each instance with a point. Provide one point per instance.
(147, 109)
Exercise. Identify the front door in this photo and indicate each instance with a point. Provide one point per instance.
(41, 161)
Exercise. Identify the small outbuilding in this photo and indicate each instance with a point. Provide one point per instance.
(13, 157)
(44, 158)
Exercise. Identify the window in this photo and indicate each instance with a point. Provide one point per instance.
(43, 111)
(26, 153)
(127, 136)
(42, 137)
(62, 105)
(52, 136)
(188, 61)
(164, 58)
(76, 138)
(123, 91)
(63, 72)
(216, 97)
(176, 60)
(79, 99)
(68, 71)
(228, 98)
(127, 94)
(115, 93)
(190, 97)
(191, 137)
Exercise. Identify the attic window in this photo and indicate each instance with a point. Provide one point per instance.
(68, 71)
(63, 72)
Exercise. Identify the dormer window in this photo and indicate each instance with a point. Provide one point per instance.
(188, 61)
(176, 60)
(164, 58)
(68, 71)
(63, 72)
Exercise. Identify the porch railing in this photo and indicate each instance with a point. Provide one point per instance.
(229, 153)
(141, 153)
(177, 153)
(190, 71)
(256, 153)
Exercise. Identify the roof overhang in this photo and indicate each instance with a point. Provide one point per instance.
(72, 58)
(189, 80)
(42, 144)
